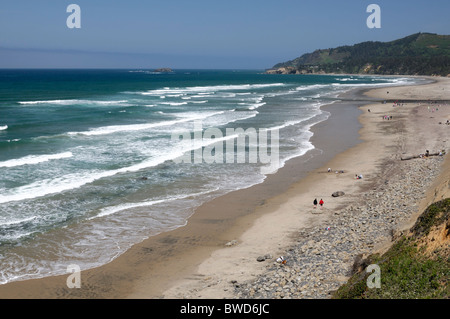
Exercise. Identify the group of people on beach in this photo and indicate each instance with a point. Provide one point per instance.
(434, 106)
(397, 103)
(433, 109)
(387, 117)
(321, 202)
(427, 154)
(338, 171)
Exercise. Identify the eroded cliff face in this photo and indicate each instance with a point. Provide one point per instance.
(292, 70)
(440, 189)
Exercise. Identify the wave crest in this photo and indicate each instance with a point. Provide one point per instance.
(34, 159)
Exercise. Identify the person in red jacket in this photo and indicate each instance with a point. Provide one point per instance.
(321, 203)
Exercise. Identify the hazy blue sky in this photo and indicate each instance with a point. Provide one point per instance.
(199, 33)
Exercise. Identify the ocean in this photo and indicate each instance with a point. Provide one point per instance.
(94, 161)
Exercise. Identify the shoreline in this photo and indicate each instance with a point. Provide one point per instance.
(143, 271)
(225, 275)
(320, 259)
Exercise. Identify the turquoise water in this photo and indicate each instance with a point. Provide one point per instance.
(90, 159)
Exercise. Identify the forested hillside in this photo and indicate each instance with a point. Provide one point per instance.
(417, 54)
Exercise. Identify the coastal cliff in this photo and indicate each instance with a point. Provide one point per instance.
(416, 266)
(417, 54)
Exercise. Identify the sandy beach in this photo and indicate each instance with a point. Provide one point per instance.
(414, 127)
(215, 254)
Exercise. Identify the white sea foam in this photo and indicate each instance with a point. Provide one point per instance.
(347, 79)
(174, 103)
(17, 221)
(16, 236)
(226, 95)
(251, 115)
(219, 118)
(47, 186)
(306, 144)
(207, 89)
(107, 211)
(3, 127)
(295, 122)
(281, 93)
(257, 105)
(75, 102)
(72, 181)
(201, 95)
(114, 209)
(392, 82)
(139, 127)
(199, 102)
(145, 72)
(34, 159)
(311, 87)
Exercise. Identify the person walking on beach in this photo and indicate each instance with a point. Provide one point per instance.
(315, 202)
(321, 203)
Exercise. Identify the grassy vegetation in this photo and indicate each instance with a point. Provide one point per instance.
(408, 270)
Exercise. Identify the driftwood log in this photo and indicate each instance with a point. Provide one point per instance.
(421, 156)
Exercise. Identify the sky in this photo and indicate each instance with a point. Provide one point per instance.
(199, 34)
